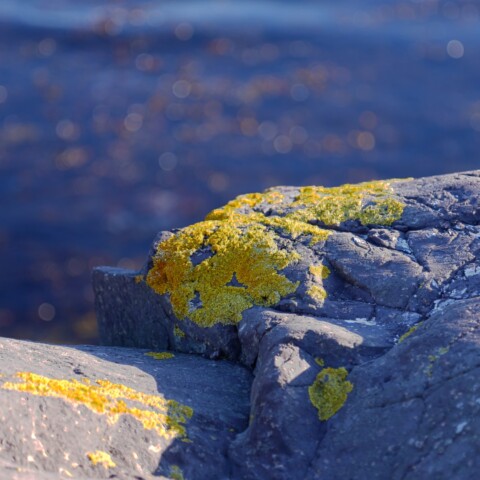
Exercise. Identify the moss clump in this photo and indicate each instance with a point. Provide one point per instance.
(244, 262)
(329, 391)
(98, 456)
(165, 417)
(160, 355)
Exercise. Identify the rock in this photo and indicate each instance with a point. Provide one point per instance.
(62, 413)
(414, 412)
(312, 288)
(346, 315)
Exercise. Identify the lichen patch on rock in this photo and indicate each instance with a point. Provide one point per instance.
(160, 355)
(166, 417)
(102, 458)
(242, 241)
(329, 391)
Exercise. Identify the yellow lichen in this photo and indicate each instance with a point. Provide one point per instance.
(318, 293)
(176, 473)
(409, 332)
(98, 456)
(319, 271)
(178, 332)
(250, 254)
(319, 361)
(329, 391)
(369, 203)
(139, 278)
(160, 355)
(241, 261)
(432, 359)
(165, 417)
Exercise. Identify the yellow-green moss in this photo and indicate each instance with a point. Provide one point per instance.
(165, 417)
(176, 473)
(98, 456)
(160, 355)
(329, 391)
(178, 332)
(244, 262)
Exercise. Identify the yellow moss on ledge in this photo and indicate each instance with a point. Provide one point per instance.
(99, 456)
(165, 417)
(160, 355)
(241, 263)
(329, 391)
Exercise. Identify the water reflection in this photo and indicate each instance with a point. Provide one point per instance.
(118, 120)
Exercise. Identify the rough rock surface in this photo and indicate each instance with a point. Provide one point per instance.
(51, 434)
(355, 309)
(353, 306)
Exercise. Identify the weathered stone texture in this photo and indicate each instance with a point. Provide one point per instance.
(341, 326)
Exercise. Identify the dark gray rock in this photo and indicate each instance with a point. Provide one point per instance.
(337, 392)
(415, 412)
(45, 437)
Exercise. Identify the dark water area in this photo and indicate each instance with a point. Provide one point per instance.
(121, 119)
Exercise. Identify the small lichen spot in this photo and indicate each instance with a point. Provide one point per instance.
(319, 361)
(432, 359)
(178, 332)
(100, 457)
(329, 391)
(176, 473)
(319, 271)
(318, 293)
(160, 355)
(409, 332)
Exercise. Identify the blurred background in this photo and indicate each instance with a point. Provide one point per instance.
(122, 118)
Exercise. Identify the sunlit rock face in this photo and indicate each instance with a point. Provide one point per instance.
(312, 288)
(91, 412)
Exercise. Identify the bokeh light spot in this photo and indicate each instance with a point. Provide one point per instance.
(455, 49)
(167, 161)
(46, 312)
